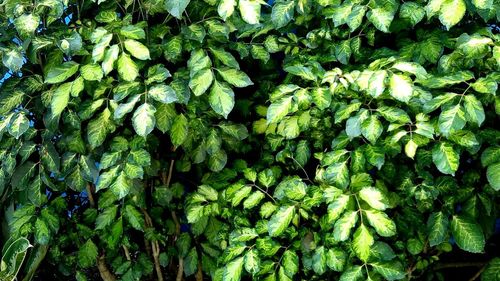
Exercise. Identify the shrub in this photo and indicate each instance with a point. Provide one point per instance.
(236, 140)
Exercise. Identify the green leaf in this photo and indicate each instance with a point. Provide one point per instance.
(106, 178)
(374, 197)
(401, 88)
(127, 69)
(280, 220)
(106, 217)
(60, 99)
(484, 85)
(352, 273)
(225, 8)
(451, 119)
(279, 109)
(337, 207)
(376, 84)
(253, 200)
(125, 108)
(121, 186)
(491, 271)
(290, 262)
(445, 158)
(493, 175)
(232, 270)
(474, 110)
(381, 18)
(362, 242)
(176, 7)
(179, 130)
(137, 49)
(144, 120)
(355, 18)
(319, 260)
(162, 93)
(201, 81)
(87, 254)
(393, 114)
(42, 232)
(391, 270)
(26, 24)
(221, 98)
(18, 125)
(375, 156)
(381, 222)
(59, 73)
(225, 57)
(240, 194)
(411, 148)
(250, 11)
(98, 128)
(343, 51)
(451, 12)
(252, 262)
(342, 228)
(301, 71)
(91, 72)
(134, 217)
(353, 124)
(337, 174)
(282, 13)
(468, 234)
(235, 77)
(340, 14)
(412, 12)
(191, 262)
(336, 259)
(371, 129)
(437, 227)
(133, 32)
(13, 60)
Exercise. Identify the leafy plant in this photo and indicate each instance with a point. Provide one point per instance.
(231, 140)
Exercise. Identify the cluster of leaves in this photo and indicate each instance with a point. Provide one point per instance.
(230, 140)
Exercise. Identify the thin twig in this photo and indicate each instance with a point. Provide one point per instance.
(478, 273)
(127, 253)
(90, 196)
(303, 170)
(106, 275)
(458, 264)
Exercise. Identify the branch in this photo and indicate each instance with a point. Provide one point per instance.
(90, 196)
(106, 275)
(127, 253)
(155, 246)
(180, 270)
(478, 273)
(445, 265)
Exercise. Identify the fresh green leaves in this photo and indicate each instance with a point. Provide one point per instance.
(295, 141)
(468, 234)
(221, 98)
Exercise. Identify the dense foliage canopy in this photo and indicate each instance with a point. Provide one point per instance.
(238, 139)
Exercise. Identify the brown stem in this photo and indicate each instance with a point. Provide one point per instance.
(458, 264)
(177, 224)
(156, 257)
(199, 273)
(155, 246)
(180, 269)
(478, 273)
(170, 170)
(90, 196)
(106, 275)
(127, 253)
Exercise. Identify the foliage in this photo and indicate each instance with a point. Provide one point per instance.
(230, 140)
